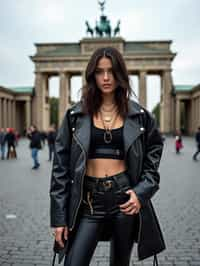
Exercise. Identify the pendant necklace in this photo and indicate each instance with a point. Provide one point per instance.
(108, 133)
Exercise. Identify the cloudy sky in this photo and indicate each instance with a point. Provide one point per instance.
(25, 22)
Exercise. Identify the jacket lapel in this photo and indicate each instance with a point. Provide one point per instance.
(132, 130)
(83, 131)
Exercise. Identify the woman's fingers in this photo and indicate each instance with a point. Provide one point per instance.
(125, 205)
(66, 233)
(58, 235)
(132, 208)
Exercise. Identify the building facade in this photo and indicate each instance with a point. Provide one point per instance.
(16, 107)
(187, 108)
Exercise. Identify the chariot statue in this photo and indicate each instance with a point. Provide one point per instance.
(102, 27)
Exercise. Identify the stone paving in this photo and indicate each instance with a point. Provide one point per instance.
(25, 236)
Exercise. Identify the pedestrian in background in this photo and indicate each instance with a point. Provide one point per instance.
(2, 143)
(51, 136)
(35, 144)
(105, 169)
(11, 143)
(178, 142)
(197, 138)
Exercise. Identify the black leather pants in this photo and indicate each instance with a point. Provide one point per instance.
(100, 211)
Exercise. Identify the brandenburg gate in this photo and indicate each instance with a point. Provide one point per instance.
(68, 59)
(143, 58)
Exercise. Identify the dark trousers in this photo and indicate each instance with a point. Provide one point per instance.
(11, 152)
(197, 152)
(100, 212)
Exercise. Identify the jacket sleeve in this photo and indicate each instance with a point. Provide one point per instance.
(152, 149)
(60, 178)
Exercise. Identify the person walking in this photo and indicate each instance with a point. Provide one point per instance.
(35, 145)
(51, 136)
(11, 143)
(2, 143)
(105, 169)
(197, 138)
(178, 142)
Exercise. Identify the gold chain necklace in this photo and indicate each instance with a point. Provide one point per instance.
(107, 115)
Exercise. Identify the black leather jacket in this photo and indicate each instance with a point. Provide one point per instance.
(143, 148)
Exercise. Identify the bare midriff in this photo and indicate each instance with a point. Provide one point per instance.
(104, 167)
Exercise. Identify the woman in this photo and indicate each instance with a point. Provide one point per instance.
(104, 174)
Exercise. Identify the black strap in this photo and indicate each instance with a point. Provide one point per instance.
(54, 259)
(155, 261)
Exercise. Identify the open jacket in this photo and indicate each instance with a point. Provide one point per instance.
(143, 148)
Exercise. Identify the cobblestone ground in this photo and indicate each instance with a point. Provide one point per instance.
(25, 237)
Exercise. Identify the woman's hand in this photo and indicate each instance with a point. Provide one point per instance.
(132, 206)
(59, 233)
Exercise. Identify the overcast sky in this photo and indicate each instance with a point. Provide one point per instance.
(25, 22)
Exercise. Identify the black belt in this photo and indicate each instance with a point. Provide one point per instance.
(115, 181)
(108, 151)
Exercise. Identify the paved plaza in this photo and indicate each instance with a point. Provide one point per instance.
(25, 236)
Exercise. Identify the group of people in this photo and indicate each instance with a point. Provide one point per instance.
(8, 140)
(179, 143)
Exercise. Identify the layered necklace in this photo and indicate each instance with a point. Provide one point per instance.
(108, 117)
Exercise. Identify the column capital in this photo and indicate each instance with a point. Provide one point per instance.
(142, 72)
(166, 71)
(65, 73)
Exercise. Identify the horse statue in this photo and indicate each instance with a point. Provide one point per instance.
(89, 29)
(117, 28)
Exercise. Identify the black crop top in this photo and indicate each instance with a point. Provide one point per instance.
(100, 149)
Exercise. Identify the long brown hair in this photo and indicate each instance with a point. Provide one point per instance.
(91, 95)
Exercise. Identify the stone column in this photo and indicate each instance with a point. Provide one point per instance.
(1, 119)
(166, 116)
(83, 78)
(64, 94)
(5, 123)
(192, 116)
(196, 114)
(39, 100)
(178, 114)
(13, 107)
(28, 113)
(142, 89)
(9, 114)
(198, 111)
